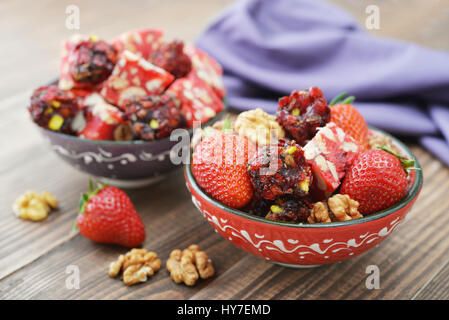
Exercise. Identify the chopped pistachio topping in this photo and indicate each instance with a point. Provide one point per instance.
(55, 122)
(276, 209)
(154, 124)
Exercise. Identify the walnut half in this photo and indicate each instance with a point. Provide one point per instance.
(259, 127)
(189, 265)
(137, 266)
(35, 207)
(339, 207)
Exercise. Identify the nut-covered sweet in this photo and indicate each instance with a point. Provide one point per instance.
(137, 266)
(134, 77)
(171, 57)
(339, 207)
(91, 62)
(53, 108)
(280, 170)
(289, 209)
(35, 207)
(154, 117)
(259, 127)
(189, 265)
(302, 113)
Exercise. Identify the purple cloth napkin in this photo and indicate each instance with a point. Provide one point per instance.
(269, 48)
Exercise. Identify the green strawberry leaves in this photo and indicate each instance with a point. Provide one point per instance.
(342, 99)
(85, 197)
(406, 163)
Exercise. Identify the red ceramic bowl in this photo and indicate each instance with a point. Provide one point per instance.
(304, 245)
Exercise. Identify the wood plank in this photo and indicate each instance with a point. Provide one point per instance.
(170, 224)
(437, 287)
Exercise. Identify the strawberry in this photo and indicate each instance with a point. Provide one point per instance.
(219, 167)
(107, 215)
(377, 179)
(344, 115)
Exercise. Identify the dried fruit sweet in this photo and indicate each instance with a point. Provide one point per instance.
(302, 113)
(142, 42)
(134, 77)
(154, 117)
(259, 127)
(207, 69)
(53, 108)
(91, 62)
(137, 266)
(197, 100)
(280, 170)
(171, 57)
(330, 153)
(188, 265)
(104, 121)
(290, 209)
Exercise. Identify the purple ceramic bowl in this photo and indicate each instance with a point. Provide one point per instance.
(127, 164)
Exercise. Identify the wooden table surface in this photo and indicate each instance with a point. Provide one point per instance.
(413, 261)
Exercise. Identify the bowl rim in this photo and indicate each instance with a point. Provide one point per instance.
(412, 194)
(209, 122)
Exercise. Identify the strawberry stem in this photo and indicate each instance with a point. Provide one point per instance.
(342, 99)
(348, 100)
(226, 124)
(338, 98)
(406, 163)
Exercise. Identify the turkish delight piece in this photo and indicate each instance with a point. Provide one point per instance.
(197, 100)
(134, 77)
(85, 63)
(330, 153)
(66, 81)
(207, 69)
(141, 42)
(103, 121)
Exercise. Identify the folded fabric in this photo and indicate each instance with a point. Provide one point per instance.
(269, 48)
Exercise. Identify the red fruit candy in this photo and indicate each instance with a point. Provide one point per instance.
(171, 58)
(107, 215)
(290, 209)
(376, 179)
(280, 170)
(219, 167)
(53, 108)
(154, 117)
(302, 113)
(92, 62)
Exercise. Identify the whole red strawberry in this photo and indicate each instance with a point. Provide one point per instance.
(219, 167)
(377, 179)
(347, 117)
(107, 215)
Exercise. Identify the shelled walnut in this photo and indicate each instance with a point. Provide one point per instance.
(259, 127)
(376, 141)
(339, 207)
(137, 266)
(34, 206)
(189, 265)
